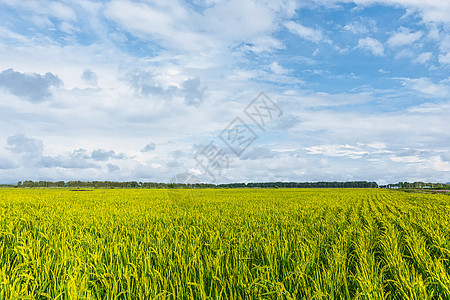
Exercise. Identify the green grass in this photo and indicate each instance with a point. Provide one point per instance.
(224, 244)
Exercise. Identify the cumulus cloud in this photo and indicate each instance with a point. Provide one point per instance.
(29, 86)
(103, 155)
(144, 83)
(30, 153)
(81, 159)
(372, 45)
(27, 151)
(147, 84)
(77, 159)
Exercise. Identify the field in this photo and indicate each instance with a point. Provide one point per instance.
(224, 244)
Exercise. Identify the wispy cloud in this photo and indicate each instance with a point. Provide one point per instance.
(304, 32)
(356, 28)
(427, 87)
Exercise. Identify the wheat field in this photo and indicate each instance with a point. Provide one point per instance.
(223, 244)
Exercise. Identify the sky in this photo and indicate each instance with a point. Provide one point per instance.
(227, 91)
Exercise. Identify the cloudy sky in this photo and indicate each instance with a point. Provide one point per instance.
(144, 90)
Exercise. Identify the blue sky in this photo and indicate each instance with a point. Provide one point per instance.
(139, 90)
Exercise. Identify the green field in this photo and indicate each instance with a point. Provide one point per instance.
(224, 244)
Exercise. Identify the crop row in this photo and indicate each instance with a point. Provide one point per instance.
(223, 244)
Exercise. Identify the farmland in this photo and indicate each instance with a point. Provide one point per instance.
(223, 244)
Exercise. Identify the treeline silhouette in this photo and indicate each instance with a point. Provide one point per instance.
(156, 185)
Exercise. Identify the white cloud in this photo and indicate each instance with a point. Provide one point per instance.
(41, 11)
(263, 44)
(404, 37)
(19, 143)
(430, 10)
(372, 45)
(304, 32)
(32, 87)
(354, 152)
(407, 159)
(445, 43)
(434, 163)
(239, 20)
(6, 34)
(277, 69)
(356, 28)
(90, 77)
(444, 47)
(149, 147)
(61, 11)
(444, 59)
(426, 87)
(423, 57)
(428, 107)
(220, 25)
(216, 57)
(162, 22)
(404, 53)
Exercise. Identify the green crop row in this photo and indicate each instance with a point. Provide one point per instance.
(224, 244)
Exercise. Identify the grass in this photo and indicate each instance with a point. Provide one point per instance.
(224, 244)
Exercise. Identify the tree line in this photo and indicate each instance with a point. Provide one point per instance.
(415, 185)
(158, 185)
(320, 184)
